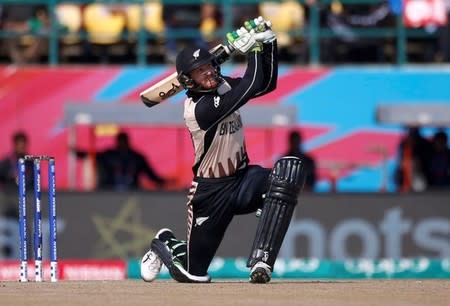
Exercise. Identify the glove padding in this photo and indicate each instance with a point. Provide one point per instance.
(243, 40)
(257, 24)
(265, 37)
(261, 29)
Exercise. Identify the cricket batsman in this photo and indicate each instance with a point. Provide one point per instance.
(224, 182)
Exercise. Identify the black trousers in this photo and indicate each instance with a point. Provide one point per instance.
(212, 206)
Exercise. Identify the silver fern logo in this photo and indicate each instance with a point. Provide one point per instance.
(196, 54)
(199, 221)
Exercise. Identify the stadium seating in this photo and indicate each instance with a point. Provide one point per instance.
(286, 16)
(103, 26)
(152, 22)
(69, 17)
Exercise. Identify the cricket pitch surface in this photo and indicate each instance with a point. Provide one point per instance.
(225, 292)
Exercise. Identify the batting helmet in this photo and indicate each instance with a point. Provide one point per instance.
(190, 58)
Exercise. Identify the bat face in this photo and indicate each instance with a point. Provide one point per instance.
(161, 91)
(172, 91)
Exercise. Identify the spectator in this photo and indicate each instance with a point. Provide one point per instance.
(20, 20)
(295, 149)
(440, 161)
(414, 153)
(120, 167)
(347, 46)
(8, 186)
(8, 165)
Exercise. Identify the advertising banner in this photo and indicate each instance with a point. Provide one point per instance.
(74, 270)
(343, 226)
(226, 268)
(103, 225)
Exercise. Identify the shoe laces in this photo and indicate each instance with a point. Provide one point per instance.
(177, 249)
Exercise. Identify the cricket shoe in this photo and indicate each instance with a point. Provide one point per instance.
(260, 273)
(160, 246)
(150, 266)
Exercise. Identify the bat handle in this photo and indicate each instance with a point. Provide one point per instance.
(222, 53)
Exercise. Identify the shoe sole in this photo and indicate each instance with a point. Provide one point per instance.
(259, 276)
(161, 250)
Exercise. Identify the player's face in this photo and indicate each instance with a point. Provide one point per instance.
(205, 76)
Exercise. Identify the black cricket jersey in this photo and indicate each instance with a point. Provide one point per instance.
(214, 120)
(224, 184)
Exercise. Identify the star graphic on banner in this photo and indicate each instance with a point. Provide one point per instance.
(124, 235)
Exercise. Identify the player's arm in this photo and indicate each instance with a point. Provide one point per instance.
(270, 67)
(83, 154)
(212, 109)
(262, 30)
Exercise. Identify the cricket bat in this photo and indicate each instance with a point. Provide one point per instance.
(170, 86)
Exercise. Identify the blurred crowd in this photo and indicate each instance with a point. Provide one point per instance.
(109, 31)
(423, 163)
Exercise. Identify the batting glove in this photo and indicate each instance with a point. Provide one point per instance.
(261, 29)
(265, 37)
(243, 40)
(257, 24)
